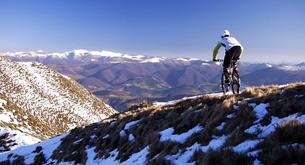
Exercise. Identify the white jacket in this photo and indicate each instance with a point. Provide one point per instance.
(229, 42)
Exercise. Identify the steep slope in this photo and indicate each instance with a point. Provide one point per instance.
(263, 125)
(43, 101)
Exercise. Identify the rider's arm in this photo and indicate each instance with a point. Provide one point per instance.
(216, 49)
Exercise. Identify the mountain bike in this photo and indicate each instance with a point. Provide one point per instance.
(234, 80)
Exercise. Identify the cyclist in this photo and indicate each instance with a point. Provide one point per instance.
(233, 52)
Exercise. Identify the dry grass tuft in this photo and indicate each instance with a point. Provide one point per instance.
(225, 157)
(39, 159)
(281, 147)
(141, 105)
(282, 156)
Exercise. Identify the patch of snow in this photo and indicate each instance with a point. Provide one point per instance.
(205, 64)
(156, 104)
(235, 107)
(292, 68)
(264, 131)
(246, 145)
(182, 158)
(48, 147)
(215, 143)
(8, 117)
(253, 129)
(112, 124)
(138, 158)
(283, 85)
(153, 60)
(167, 134)
(269, 65)
(106, 136)
(132, 123)
(93, 136)
(78, 141)
(198, 110)
(111, 160)
(299, 96)
(257, 162)
(220, 94)
(122, 133)
(221, 126)
(231, 116)
(260, 110)
(66, 77)
(254, 153)
(2, 103)
(131, 138)
(182, 59)
(17, 139)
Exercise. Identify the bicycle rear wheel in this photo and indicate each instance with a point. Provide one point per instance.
(224, 86)
(235, 82)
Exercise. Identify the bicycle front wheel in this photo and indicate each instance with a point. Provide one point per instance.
(224, 86)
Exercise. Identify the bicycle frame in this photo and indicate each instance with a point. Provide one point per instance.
(234, 80)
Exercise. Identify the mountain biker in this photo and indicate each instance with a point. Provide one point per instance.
(233, 52)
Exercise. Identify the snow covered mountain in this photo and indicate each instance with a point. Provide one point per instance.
(37, 103)
(262, 125)
(84, 56)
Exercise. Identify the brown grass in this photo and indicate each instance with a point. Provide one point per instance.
(224, 157)
(209, 112)
(39, 159)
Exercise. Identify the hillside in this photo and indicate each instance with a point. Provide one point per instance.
(37, 103)
(262, 125)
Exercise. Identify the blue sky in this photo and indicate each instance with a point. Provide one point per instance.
(270, 30)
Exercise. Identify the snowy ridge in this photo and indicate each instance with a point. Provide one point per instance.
(41, 94)
(258, 126)
(292, 68)
(82, 55)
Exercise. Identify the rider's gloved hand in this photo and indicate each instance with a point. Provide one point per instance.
(216, 60)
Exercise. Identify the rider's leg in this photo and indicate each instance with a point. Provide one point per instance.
(226, 64)
(236, 56)
(226, 73)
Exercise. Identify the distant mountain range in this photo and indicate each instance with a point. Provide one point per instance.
(123, 79)
(36, 103)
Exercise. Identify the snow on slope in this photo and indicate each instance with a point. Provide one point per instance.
(15, 131)
(46, 147)
(190, 131)
(12, 139)
(49, 97)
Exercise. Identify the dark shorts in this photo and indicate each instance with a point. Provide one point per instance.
(233, 55)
